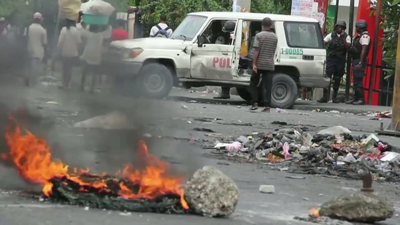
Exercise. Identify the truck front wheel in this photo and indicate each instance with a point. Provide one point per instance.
(155, 80)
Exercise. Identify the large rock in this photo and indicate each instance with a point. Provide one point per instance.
(211, 193)
(361, 207)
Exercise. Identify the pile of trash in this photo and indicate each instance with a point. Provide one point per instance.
(333, 151)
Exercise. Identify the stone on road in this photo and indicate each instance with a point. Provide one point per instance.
(361, 207)
(211, 193)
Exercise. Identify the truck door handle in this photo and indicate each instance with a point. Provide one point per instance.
(308, 57)
(224, 53)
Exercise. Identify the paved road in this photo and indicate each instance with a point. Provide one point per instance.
(173, 120)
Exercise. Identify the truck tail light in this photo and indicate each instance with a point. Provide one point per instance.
(135, 53)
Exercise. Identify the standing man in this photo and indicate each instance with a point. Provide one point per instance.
(265, 44)
(338, 43)
(359, 51)
(37, 42)
(161, 29)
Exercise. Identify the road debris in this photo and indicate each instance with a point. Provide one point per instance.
(279, 123)
(362, 207)
(111, 121)
(268, 189)
(333, 151)
(204, 130)
(211, 193)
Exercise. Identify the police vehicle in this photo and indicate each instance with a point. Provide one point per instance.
(154, 65)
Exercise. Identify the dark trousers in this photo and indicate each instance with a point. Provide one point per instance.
(266, 86)
(358, 76)
(335, 69)
(92, 70)
(225, 91)
(67, 64)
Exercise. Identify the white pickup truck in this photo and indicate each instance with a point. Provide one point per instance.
(153, 66)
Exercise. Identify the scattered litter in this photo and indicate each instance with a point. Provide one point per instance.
(223, 163)
(306, 199)
(189, 122)
(336, 130)
(385, 114)
(237, 124)
(295, 177)
(333, 152)
(204, 130)
(147, 135)
(86, 208)
(192, 101)
(278, 110)
(125, 213)
(279, 123)
(268, 189)
(214, 135)
(52, 102)
(184, 106)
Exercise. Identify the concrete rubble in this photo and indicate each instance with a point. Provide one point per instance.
(211, 193)
(363, 207)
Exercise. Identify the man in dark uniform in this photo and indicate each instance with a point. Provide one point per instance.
(359, 51)
(338, 42)
(229, 26)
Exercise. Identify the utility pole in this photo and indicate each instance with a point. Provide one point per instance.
(395, 125)
(348, 69)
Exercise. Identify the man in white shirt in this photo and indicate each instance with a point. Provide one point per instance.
(161, 29)
(338, 43)
(37, 42)
(359, 52)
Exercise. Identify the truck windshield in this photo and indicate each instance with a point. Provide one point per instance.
(189, 27)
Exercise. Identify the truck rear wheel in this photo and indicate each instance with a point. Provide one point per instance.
(284, 92)
(155, 80)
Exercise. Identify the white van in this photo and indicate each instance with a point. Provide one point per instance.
(155, 65)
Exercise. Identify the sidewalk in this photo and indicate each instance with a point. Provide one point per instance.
(183, 94)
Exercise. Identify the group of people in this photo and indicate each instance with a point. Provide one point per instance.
(83, 44)
(78, 45)
(339, 44)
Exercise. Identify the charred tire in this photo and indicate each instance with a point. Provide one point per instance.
(155, 80)
(284, 91)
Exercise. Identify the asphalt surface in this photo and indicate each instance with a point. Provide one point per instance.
(50, 113)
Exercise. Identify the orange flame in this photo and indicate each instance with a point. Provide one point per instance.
(314, 212)
(32, 157)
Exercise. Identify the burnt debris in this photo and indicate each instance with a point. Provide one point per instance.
(66, 191)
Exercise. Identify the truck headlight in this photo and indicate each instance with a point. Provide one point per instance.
(135, 52)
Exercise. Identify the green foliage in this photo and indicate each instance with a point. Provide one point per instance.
(176, 10)
(390, 14)
(329, 25)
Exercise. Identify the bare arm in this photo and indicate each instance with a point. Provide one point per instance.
(256, 52)
(363, 53)
(343, 38)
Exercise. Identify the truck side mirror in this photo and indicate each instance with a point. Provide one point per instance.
(200, 41)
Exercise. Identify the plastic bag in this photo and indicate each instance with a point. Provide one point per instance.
(70, 8)
(97, 7)
(337, 130)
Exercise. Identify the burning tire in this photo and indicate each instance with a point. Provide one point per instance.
(155, 80)
(150, 189)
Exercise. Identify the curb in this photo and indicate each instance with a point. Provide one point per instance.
(368, 109)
